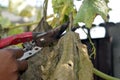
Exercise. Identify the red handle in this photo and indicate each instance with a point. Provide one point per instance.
(19, 38)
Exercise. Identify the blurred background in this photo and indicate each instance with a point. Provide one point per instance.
(105, 36)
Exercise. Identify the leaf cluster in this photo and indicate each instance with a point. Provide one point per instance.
(90, 9)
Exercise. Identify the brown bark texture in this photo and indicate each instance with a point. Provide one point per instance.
(65, 59)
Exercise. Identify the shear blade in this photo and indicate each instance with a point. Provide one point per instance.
(30, 53)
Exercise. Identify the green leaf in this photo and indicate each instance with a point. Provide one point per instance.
(27, 11)
(90, 9)
(58, 6)
(62, 8)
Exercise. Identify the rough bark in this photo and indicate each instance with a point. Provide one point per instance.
(66, 59)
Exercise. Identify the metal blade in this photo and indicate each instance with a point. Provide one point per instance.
(30, 53)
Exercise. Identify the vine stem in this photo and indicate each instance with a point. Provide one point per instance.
(27, 24)
(71, 21)
(93, 47)
(62, 13)
(22, 25)
(45, 9)
(103, 75)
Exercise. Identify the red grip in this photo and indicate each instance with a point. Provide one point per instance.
(19, 38)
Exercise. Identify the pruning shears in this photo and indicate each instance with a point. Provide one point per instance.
(34, 41)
